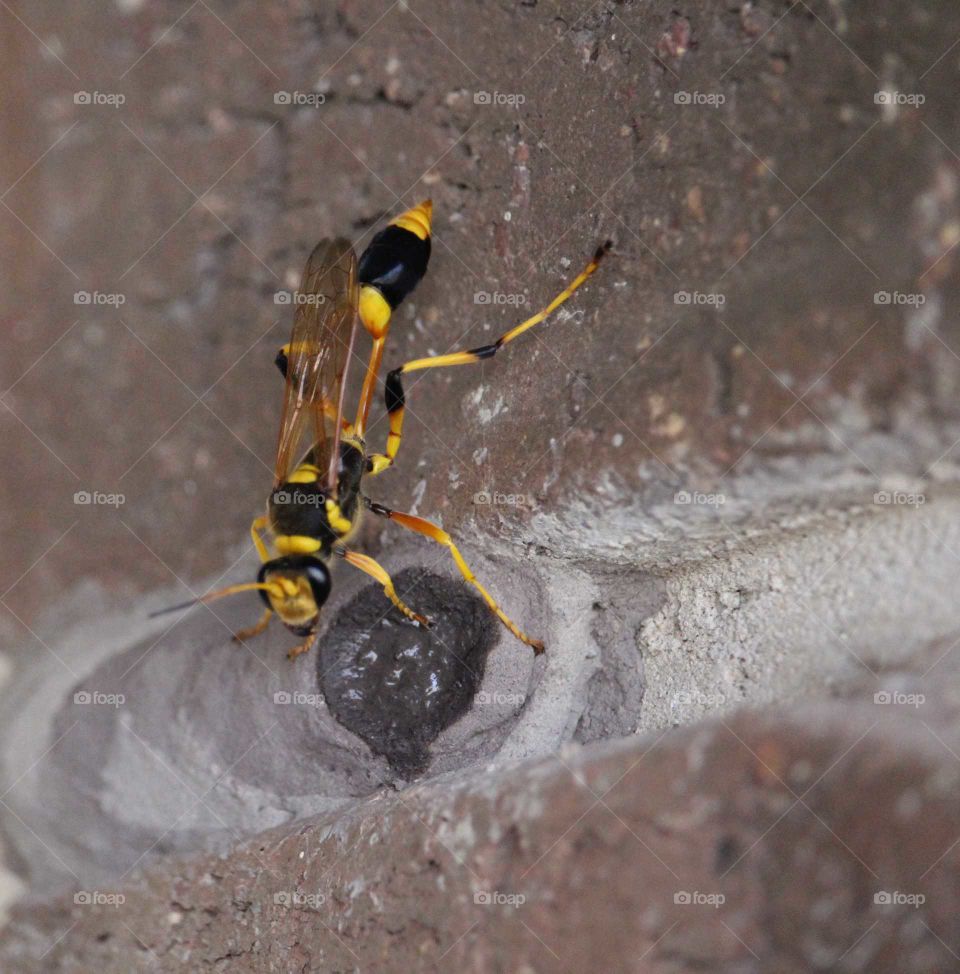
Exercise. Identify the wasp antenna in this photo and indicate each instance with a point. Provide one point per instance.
(172, 608)
(271, 587)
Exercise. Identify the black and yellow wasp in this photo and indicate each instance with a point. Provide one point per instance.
(315, 506)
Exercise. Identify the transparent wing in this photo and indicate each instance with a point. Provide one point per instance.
(324, 330)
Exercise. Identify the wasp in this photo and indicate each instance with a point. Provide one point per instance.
(316, 503)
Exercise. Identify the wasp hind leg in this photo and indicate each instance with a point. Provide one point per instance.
(436, 533)
(394, 394)
(243, 635)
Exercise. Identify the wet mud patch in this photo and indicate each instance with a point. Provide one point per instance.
(397, 685)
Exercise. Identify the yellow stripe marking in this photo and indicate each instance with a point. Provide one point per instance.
(296, 544)
(336, 519)
(416, 220)
(306, 473)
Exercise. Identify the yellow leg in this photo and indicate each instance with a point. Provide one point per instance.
(370, 383)
(394, 387)
(260, 524)
(376, 571)
(436, 533)
(301, 648)
(244, 634)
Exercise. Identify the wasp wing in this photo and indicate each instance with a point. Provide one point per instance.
(321, 345)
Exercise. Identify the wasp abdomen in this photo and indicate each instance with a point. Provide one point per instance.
(394, 263)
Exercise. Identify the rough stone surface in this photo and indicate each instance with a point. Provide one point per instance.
(724, 474)
(819, 837)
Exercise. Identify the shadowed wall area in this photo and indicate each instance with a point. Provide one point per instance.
(720, 483)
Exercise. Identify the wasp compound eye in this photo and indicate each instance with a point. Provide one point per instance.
(318, 576)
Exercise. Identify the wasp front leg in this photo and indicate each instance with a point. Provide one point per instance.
(301, 648)
(243, 635)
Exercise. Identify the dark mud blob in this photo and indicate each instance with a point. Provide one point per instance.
(396, 685)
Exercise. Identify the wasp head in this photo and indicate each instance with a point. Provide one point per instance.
(296, 588)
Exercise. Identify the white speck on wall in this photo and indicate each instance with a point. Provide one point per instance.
(460, 838)
(923, 321)
(480, 455)
(569, 314)
(507, 217)
(617, 440)
(51, 47)
(486, 414)
(418, 493)
(356, 887)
